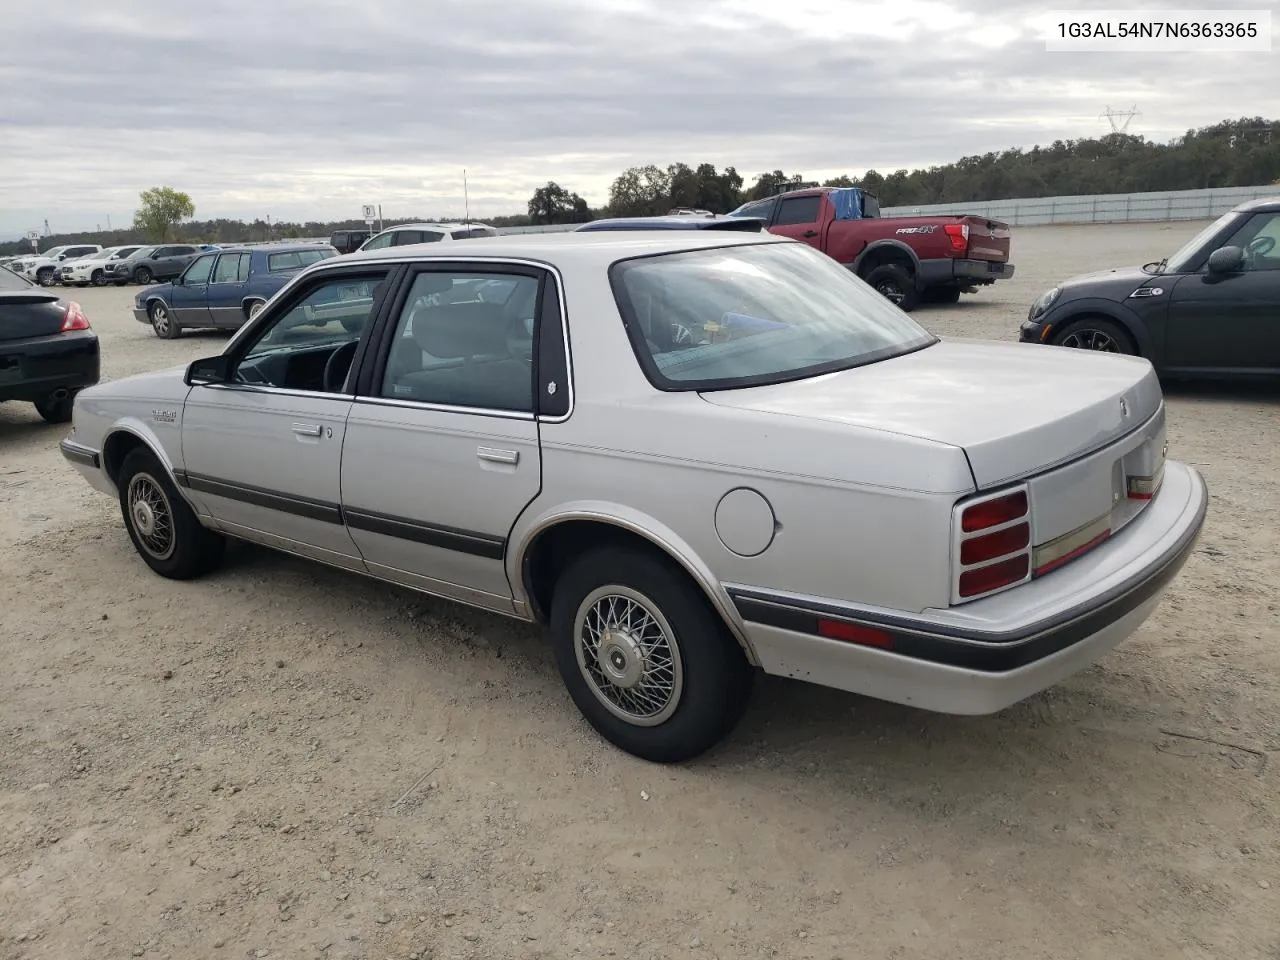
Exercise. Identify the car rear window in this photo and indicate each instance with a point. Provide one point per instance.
(754, 314)
(295, 259)
(11, 281)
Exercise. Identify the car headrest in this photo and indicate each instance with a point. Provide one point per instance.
(454, 331)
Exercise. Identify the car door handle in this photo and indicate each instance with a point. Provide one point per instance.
(494, 455)
(307, 429)
(811, 233)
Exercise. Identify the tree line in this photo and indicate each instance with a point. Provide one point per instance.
(1243, 152)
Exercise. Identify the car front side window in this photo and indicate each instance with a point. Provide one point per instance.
(311, 342)
(199, 270)
(454, 347)
(1259, 238)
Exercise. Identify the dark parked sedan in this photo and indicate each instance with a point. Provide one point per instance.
(1210, 310)
(47, 350)
(226, 287)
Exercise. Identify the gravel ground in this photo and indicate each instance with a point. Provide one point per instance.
(281, 760)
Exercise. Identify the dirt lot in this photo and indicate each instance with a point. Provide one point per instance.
(285, 761)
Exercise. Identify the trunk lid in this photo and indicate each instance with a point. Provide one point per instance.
(30, 313)
(1015, 409)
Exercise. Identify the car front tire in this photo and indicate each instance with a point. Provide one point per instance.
(646, 659)
(143, 276)
(162, 321)
(45, 277)
(1096, 333)
(163, 528)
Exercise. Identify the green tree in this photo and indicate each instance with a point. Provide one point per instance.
(162, 208)
(554, 204)
(641, 192)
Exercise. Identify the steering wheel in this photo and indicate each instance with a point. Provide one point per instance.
(1261, 246)
(333, 365)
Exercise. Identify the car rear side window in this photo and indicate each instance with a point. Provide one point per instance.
(799, 210)
(294, 259)
(754, 314)
(465, 339)
(232, 268)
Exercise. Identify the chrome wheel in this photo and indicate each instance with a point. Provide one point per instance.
(151, 516)
(160, 319)
(255, 308)
(1087, 338)
(628, 654)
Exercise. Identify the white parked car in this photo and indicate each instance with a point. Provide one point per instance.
(92, 269)
(693, 454)
(407, 234)
(43, 269)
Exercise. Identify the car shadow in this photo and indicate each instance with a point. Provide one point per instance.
(1261, 391)
(792, 730)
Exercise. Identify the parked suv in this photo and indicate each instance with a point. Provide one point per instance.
(349, 241)
(44, 268)
(409, 233)
(160, 262)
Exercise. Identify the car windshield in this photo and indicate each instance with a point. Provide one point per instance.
(1180, 262)
(743, 316)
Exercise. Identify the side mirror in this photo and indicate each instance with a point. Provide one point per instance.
(155, 256)
(209, 370)
(1226, 260)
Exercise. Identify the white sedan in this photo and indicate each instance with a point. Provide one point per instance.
(694, 455)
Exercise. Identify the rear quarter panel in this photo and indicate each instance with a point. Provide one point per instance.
(847, 239)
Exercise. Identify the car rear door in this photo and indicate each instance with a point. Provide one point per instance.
(442, 452)
(227, 289)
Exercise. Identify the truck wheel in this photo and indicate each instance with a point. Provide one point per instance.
(44, 276)
(1096, 333)
(895, 284)
(646, 659)
(56, 409)
(164, 529)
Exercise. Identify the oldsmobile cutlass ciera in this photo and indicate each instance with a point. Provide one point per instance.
(695, 455)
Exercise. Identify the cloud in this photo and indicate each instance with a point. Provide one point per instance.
(305, 110)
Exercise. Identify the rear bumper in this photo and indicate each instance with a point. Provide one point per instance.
(946, 270)
(32, 369)
(981, 657)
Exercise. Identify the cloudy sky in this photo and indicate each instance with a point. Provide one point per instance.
(305, 109)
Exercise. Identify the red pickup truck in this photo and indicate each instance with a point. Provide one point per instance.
(906, 258)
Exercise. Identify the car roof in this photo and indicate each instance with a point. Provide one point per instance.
(435, 224)
(271, 248)
(571, 247)
(674, 222)
(1261, 205)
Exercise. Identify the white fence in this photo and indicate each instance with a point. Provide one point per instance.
(1099, 208)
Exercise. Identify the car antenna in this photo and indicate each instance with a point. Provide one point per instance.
(466, 200)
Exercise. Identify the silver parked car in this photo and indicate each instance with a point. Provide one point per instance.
(693, 454)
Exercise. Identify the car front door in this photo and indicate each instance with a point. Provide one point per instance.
(442, 454)
(227, 290)
(1230, 321)
(799, 219)
(262, 451)
(189, 297)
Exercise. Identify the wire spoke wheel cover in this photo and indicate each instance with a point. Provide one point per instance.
(628, 654)
(1088, 338)
(151, 516)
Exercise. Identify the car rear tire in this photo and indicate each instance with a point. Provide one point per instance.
(162, 321)
(56, 409)
(163, 528)
(895, 284)
(646, 659)
(254, 308)
(143, 276)
(1096, 333)
(44, 277)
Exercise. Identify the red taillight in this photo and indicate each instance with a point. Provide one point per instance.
(989, 546)
(958, 234)
(853, 633)
(985, 579)
(992, 513)
(74, 320)
(994, 548)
